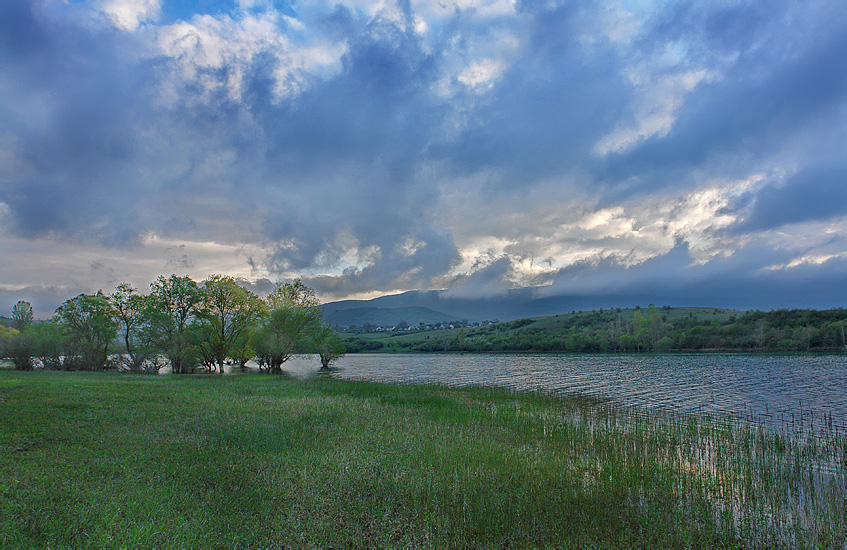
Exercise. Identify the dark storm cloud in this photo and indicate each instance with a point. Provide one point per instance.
(350, 152)
(485, 281)
(550, 108)
(785, 73)
(70, 103)
(814, 193)
(111, 137)
(737, 281)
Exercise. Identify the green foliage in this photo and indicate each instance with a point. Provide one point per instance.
(50, 344)
(291, 324)
(665, 343)
(228, 315)
(173, 305)
(180, 320)
(634, 330)
(90, 323)
(21, 316)
(328, 345)
(287, 330)
(292, 294)
(6, 334)
(133, 313)
(20, 348)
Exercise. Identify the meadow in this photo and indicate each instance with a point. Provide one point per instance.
(108, 459)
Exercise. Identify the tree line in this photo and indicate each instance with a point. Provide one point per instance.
(644, 330)
(179, 323)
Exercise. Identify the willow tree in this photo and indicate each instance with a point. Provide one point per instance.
(132, 313)
(289, 325)
(328, 345)
(173, 304)
(229, 313)
(90, 324)
(293, 294)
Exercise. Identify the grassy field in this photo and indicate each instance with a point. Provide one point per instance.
(254, 460)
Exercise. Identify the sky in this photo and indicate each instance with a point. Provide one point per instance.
(688, 150)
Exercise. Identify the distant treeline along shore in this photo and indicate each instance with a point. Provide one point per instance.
(637, 329)
(200, 327)
(179, 323)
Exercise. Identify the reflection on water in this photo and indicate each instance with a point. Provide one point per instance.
(805, 389)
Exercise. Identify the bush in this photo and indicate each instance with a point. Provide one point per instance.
(664, 344)
(20, 348)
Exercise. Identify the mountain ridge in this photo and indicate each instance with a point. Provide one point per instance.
(508, 306)
(385, 316)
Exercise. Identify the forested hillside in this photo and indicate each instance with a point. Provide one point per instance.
(632, 330)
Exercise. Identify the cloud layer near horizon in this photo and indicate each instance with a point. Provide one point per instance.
(374, 147)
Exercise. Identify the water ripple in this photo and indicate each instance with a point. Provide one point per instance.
(805, 388)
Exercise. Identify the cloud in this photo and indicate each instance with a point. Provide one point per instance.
(129, 14)
(373, 146)
(813, 193)
(764, 90)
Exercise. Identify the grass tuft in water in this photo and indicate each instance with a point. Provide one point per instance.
(110, 460)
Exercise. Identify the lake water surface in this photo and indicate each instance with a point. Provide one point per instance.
(799, 388)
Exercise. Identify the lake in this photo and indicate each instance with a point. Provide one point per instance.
(803, 390)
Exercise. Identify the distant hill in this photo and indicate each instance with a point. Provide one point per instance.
(649, 329)
(514, 304)
(520, 303)
(384, 316)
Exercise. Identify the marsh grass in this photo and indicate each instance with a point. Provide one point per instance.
(249, 460)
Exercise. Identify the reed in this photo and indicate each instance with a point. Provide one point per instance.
(114, 460)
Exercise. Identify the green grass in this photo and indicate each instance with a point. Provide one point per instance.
(547, 324)
(251, 460)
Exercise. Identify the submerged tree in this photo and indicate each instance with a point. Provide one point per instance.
(15, 342)
(6, 334)
(328, 345)
(49, 344)
(289, 325)
(287, 331)
(132, 312)
(18, 347)
(172, 306)
(229, 313)
(91, 325)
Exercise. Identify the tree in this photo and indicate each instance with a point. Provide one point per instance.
(287, 331)
(132, 314)
(328, 345)
(90, 324)
(6, 334)
(17, 346)
(172, 306)
(21, 316)
(242, 350)
(293, 293)
(49, 343)
(289, 326)
(229, 312)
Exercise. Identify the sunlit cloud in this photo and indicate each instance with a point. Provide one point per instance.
(376, 146)
(129, 14)
(808, 260)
